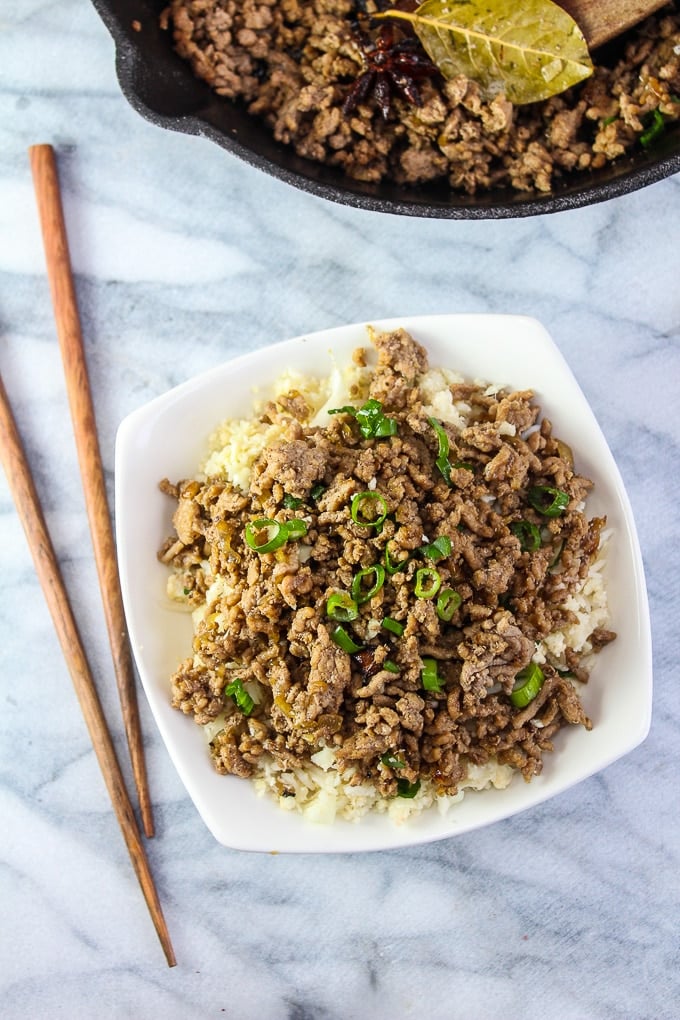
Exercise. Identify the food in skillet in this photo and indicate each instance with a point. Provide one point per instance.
(396, 587)
(345, 86)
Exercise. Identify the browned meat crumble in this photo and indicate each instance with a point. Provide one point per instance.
(273, 626)
(293, 64)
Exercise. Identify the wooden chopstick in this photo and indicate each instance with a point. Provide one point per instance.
(46, 182)
(47, 567)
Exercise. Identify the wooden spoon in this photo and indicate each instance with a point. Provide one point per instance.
(602, 20)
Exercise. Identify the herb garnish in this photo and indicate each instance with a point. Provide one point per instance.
(239, 695)
(373, 424)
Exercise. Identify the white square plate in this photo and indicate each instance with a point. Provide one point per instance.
(168, 438)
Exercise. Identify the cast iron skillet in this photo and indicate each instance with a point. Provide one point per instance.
(162, 88)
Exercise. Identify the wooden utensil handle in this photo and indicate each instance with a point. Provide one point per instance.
(47, 567)
(602, 20)
(67, 320)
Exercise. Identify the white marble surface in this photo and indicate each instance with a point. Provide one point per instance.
(185, 257)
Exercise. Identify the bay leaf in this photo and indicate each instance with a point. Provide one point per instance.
(528, 50)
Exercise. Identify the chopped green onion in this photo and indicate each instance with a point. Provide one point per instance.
(276, 532)
(344, 641)
(448, 601)
(528, 534)
(464, 465)
(442, 460)
(558, 554)
(345, 409)
(362, 594)
(428, 583)
(341, 606)
(387, 427)
(373, 424)
(547, 500)
(429, 676)
(528, 683)
(295, 528)
(391, 666)
(237, 692)
(437, 550)
(361, 502)
(610, 120)
(406, 789)
(317, 491)
(656, 127)
(393, 626)
(291, 502)
(393, 568)
(392, 761)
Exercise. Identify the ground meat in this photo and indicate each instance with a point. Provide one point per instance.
(269, 632)
(294, 465)
(493, 653)
(400, 360)
(329, 675)
(293, 65)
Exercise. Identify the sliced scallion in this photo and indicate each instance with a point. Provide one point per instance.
(429, 676)
(276, 534)
(391, 666)
(317, 491)
(393, 626)
(528, 683)
(557, 554)
(345, 409)
(340, 606)
(390, 566)
(295, 528)
(406, 789)
(655, 128)
(361, 502)
(344, 641)
(528, 534)
(448, 602)
(392, 761)
(291, 502)
(442, 460)
(367, 583)
(428, 583)
(547, 500)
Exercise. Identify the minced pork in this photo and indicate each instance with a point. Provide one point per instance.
(293, 64)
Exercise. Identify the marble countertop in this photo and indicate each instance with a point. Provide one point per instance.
(184, 257)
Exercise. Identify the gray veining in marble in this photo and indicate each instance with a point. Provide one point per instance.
(185, 257)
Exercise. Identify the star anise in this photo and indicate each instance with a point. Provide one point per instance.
(393, 64)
